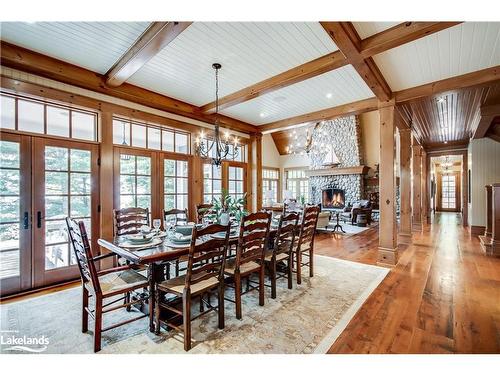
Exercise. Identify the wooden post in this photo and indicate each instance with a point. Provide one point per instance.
(416, 186)
(489, 211)
(404, 235)
(196, 185)
(106, 181)
(387, 253)
(423, 187)
(495, 219)
(486, 239)
(254, 175)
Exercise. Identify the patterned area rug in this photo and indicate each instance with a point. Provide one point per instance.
(306, 319)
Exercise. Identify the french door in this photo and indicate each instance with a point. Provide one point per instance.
(448, 197)
(43, 181)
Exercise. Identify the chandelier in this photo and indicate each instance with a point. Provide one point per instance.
(316, 142)
(217, 149)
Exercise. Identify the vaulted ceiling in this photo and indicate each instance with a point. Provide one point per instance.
(284, 73)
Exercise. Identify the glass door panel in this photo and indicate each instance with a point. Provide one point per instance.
(15, 231)
(64, 177)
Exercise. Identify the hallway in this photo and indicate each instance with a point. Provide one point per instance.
(442, 297)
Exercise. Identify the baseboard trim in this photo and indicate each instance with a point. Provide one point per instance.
(477, 230)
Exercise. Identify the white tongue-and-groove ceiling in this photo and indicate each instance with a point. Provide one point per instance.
(252, 52)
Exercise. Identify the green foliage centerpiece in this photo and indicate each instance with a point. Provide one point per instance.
(227, 206)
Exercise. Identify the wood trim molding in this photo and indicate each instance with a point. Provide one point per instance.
(356, 108)
(488, 113)
(347, 39)
(156, 37)
(362, 169)
(16, 57)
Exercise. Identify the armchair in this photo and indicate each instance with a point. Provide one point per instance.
(358, 207)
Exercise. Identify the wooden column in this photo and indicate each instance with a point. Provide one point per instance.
(416, 208)
(106, 181)
(254, 180)
(404, 235)
(423, 187)
(387, 253)
(491, 245)
(489, 211)
(196, 185)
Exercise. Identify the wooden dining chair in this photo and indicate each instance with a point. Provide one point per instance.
(181, 216)
(203, 210)
(305, 244)
(252, 243)
(119, 281)
(129, 220)
(205, 273)
(282, 250)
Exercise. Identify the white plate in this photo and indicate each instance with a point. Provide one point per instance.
(153, 243)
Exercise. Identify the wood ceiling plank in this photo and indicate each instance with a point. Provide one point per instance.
(400, 34)
(35, 63)
(297, 74)
(347, 39)
(156, 37)
(355, 108)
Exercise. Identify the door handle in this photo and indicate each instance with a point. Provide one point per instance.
(38, 219)
(26, 221)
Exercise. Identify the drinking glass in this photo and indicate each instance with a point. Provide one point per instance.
(157, 225)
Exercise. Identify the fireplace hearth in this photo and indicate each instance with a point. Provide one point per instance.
(332, 198)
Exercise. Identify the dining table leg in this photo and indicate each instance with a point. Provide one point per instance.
(151, 280)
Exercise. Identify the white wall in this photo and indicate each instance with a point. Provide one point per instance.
(270, 155)
(484, 162)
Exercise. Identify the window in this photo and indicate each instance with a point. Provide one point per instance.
(212, 183)
(44, 118)
(298, 184)
(175, 186)
(448, 187)
(235, 182)
(151, 136)
(270, 183)
(135, 181)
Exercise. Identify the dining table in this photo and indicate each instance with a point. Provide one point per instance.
(154, 257)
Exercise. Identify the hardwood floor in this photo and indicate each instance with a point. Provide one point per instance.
(443, 296)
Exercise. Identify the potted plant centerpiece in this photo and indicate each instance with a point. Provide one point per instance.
(226, 207)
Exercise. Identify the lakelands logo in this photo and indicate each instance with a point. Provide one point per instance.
(11, 341)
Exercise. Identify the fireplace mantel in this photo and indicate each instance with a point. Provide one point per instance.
(362, 169)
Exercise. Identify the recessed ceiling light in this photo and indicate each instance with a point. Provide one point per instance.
(445, 142)
(329, 95)
(262, 114)
(441, 99)
(17, 82)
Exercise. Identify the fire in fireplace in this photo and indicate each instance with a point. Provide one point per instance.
(332, 198)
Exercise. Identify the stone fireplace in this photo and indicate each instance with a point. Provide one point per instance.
(348, 174)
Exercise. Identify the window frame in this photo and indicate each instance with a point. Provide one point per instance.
(297, 181)
(270, 180)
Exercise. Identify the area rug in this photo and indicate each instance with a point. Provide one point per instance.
(306, 319)
(350, 230)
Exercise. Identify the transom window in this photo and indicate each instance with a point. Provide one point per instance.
(32, 116)
(155, 137)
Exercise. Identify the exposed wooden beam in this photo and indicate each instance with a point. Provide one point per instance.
(488, 114)
(347, 39)
(156, 37)
(441, 146)
(400, 34)
(16, 57)
(355, 108)
(479, 78)
(394, 37)
(302, 72)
